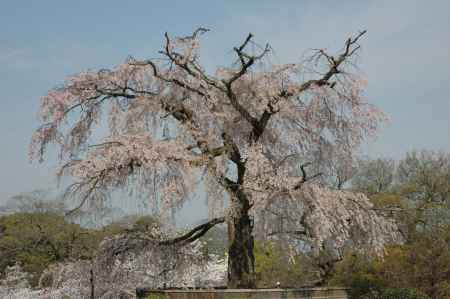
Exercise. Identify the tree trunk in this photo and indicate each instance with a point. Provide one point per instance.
(241, 261)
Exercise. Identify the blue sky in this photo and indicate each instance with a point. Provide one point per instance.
(406, 58)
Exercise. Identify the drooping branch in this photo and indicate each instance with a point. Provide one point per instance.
(109, 163)
(87, 194)
(194, 233)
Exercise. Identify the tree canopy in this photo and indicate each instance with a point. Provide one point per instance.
(237, 129)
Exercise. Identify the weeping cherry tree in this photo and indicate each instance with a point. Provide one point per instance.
(237, 129)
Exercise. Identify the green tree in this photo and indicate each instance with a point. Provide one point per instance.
(35, 240)
(275, 265)
(416, 192)
(374, 176)
(421, 266)
(358, 272)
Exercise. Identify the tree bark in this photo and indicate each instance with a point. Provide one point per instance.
(241, 260)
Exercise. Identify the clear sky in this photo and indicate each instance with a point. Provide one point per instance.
(405, 56)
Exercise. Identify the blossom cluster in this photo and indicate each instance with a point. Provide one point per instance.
(330, 220)
(266, 178)
(150, 266)
(119, 154)
(84, 92)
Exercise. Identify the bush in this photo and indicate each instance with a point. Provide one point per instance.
(36, 240)
(273, 264)
(421, 265)
(358, 272)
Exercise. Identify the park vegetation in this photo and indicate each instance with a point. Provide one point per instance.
(273, 145)
(414, 191)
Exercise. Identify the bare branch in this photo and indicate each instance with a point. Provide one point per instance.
(350, 49)
(246, 60)
(188, 65)
(85, 197)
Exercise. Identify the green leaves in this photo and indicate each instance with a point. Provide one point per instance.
(421, 266)
(36, 240)
(275, 265)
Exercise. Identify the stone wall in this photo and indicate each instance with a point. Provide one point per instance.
(323, 293)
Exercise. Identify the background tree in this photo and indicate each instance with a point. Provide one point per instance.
(421, 266)
(37, 240)
(234, 129)
(415, 194)
(37, 201)
(274, 265)
(415, 190)
(374, 176)
(425, 176)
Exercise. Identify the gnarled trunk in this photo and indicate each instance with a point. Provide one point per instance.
(241, 260)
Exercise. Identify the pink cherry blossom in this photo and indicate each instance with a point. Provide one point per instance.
(252, 132)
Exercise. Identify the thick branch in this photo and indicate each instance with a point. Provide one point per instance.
(246, 62)
(235, 154)
(194, 233)
(261, 124)
(192, 69)
(305, 177)
(240, 109)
